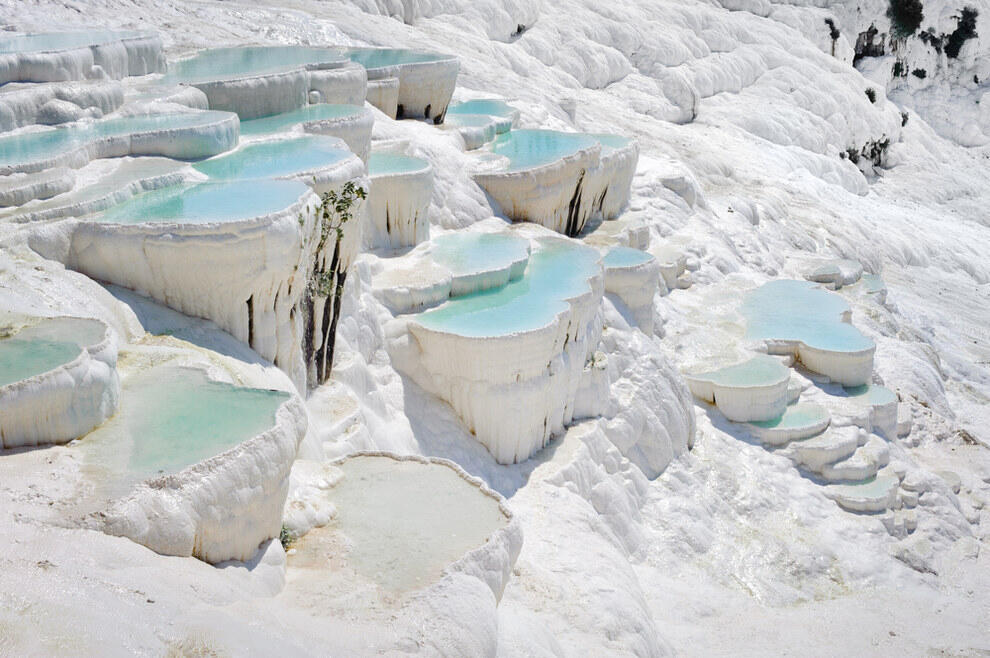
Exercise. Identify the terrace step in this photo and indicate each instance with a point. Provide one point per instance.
(828, 447)
(799, 421)
(872, 495)
(861, 465)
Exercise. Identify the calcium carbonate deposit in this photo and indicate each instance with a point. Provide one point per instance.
(508, 328)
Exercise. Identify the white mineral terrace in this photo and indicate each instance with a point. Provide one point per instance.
(401, 525)
(504, 115)
(426, 80)
(259, 81)
(398, 201)
(752, 391)
(560, 180)
(634, 276)
(79, 55)
(58, 379)
(54, 103)
(351, 123)
(522, 346)
(800, 318)
(181, 136)
(192, 466)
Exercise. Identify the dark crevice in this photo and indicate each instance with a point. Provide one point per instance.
(250, 318)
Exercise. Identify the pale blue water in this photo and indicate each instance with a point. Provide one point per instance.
(871, 394)
(200, 203)
(282, 122)
(873, 283)
(801, 311)
(465, 253)
(30, 147)
(45, 346)
(470, 120)
(761, 370)
(222, 63)
(532, 148)
(53, 41)
(394, 163)
(625, 257)
(874, 487)
(556, 271)
(373, 58)
(490, 106)
(20, 359)
(797, 416)
(283, 157)
(172, 417)
(611, 142)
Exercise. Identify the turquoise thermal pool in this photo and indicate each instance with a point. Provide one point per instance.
(55, 41)
(871, 394)
(761, 370)
(202, 203)
(800, 311)
(796, 416)
(625, 257)
(226, 63)
(468, 253)
(487, 106)
(286, 120)
(611, 142)
(172, 417)
(557, 271)
(44, 144)
(402, 521)
(45, 346)
(393, 163)
(527, 148)
(284, 157)
(376, 58)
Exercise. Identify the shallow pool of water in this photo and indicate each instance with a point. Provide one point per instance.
(283, 157)
(871, 394)
(46, 345)
(466, 253)
(796, 416)
(489, 106)
(201, 203)
(394, 163)
(281, 122)
(625, 257)
(801, 311)
(43, 144)
(761, 370)
(54, 41)
(225, 63)
(532, 148)
(373, 58)
(557, 271)
(406, 521)
(172, 417)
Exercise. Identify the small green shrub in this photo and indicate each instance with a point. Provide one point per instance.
(871, 93)
(965, 29)
(905, 17)
(285, 537)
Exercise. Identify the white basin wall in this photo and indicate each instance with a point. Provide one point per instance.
(354, 130)
(553, 195)
(183, 143)
(425, 88)
(383, 93)
(636, 286)
(535, 374)
(135, 55)
(64, 403)
(250, 277)
(846, 368)
(221, 508)
(608, 185)
(742, 403)
(28, 106)
(253, 96)
(399, 206)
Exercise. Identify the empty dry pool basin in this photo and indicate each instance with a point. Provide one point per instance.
(58, 379)
(323, 163)
(402, 524)
(558, 179)
(522, 346)
(257, 81)
(755, 390)
(79, 55)
(634, 276)
(800, 318)
(236, 252)
(399, 201)
(194, 467)
(182, 136)
(426, 79)
(351, 123)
